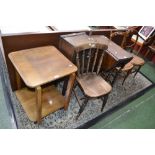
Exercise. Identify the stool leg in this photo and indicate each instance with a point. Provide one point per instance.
(137, 70)
(128, 73)
(104, 102)
(82, 107)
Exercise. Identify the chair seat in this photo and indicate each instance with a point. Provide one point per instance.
(137, 61)
(94, 85)
(127, 67)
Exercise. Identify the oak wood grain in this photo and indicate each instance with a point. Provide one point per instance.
(52, 100)
(38, 66)
(93, 85)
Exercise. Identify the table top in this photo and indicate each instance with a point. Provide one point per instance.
(117, 52)
(76, 39)
(114, 50)
(38, 66)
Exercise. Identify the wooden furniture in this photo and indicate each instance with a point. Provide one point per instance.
(151, 49)
(118, 38)
(141, 43)
(70, 28)
(89, 58)
(126, 69)
(37, 67)
(114, 56)
(137, 61)
(25, 30)
(16, 42)
(121, 27)
(128, 43)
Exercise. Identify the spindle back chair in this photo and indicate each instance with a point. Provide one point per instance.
(89, 59)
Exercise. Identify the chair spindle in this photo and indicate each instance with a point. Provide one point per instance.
(83, 62)
(88, 64)
(95, 58)
(78, 63)
(100, 62)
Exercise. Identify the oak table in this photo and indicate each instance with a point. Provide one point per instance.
(37, 67)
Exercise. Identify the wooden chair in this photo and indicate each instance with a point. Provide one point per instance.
(89, 58)
(118, 37)
(143, 44)
(151, 49)
(137, 61)
(128, 43)
(127, 69)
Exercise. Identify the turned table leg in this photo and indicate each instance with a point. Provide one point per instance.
(39, 104)
(69, 89)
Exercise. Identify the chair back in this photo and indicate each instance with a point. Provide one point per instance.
(89, 58)
(118, 38)
(128, 43)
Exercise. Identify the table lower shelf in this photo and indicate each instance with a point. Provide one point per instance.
(52, 101)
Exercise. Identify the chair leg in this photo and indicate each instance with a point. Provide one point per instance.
(78, 100)
(131, 50)
(137, 70)
(147, 52)
(128, 72)
(104, 102)
(115, 77)
(82, 107)
(139, 50)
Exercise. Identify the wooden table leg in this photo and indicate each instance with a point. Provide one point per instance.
(39, 103)
(65, 86)
(69, 89)
(18, 80)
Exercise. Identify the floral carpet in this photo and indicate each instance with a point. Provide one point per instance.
(62, 119)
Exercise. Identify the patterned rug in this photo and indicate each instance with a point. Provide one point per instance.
(66, 119)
